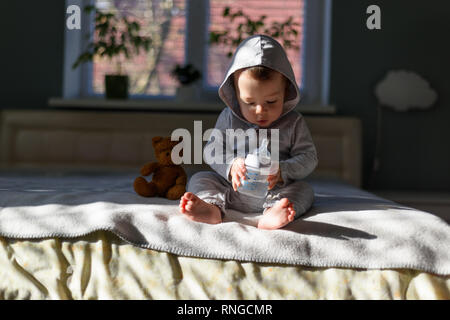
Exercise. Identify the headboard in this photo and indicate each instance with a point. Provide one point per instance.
(106, 139)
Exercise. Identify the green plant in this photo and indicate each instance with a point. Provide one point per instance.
(284, 31)
(185, 74)
(114, 36)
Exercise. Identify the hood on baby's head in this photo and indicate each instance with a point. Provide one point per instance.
(259, 50)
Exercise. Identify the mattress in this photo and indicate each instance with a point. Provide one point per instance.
(102, 265)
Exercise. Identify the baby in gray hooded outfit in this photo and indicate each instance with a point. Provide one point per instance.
(260, 92)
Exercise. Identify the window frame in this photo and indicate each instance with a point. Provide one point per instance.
(77, 81)
(317, 50)
(316, 43)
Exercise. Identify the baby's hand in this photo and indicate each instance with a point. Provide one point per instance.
(274, 179)
(237, 171)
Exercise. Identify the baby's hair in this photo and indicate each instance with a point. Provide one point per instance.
(263, 73)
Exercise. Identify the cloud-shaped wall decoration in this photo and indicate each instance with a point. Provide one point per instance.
(403, 90)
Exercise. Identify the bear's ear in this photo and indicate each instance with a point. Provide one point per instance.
(174, 143)
(156, 140)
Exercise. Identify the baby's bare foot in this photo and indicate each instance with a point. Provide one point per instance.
(198, 210)
(277, 216)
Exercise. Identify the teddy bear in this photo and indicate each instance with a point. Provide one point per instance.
(169, 180)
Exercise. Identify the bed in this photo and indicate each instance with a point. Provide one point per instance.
(76, 164)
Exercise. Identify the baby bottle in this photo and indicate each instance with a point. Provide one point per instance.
(259, 166)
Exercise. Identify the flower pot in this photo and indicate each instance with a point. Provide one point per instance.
(116, 87)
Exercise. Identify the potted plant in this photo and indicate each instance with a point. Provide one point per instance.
(186, 76)
(114, 38)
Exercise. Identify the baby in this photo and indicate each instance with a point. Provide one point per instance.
(260, 92)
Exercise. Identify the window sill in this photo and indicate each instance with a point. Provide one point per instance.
(164, 105)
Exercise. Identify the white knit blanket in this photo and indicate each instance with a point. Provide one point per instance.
(346, 227)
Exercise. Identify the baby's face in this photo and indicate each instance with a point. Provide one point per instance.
(261, 101)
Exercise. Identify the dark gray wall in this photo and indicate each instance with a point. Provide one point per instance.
(31, 55)
(415, 150)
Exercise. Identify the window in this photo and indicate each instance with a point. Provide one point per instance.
(164, 22)
(180, 31)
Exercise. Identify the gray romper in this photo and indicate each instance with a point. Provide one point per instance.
(297, 153)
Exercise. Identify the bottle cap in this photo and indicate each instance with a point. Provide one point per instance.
(252, 160)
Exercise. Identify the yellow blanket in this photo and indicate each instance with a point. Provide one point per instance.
(102, 266)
